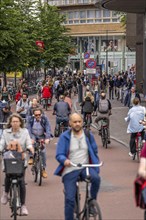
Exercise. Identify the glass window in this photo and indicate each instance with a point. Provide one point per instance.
(82, 14)
(70, 15)
(98, 20)
(98, 14)
(76, 21)
(90, 21)
(70, 22)
(114, 20)
(106, 13)
(106, 20)
(90, 14)
(82, 21)
(76, 14)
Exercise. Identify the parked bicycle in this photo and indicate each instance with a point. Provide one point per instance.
(104, 132)
(91, 209)
(14, 168)
(37, 166)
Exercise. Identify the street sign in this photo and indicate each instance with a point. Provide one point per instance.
(86, 55)
(13, 74)
(90, 71)
(90, 63)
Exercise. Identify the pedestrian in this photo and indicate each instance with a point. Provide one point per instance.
(74, 146)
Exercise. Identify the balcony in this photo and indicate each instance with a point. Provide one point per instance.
(63, 3)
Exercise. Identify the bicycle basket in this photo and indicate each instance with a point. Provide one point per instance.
(14, 166)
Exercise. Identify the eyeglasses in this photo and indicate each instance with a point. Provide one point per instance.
(37, 115)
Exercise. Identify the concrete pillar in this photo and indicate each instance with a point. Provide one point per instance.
(144, 57)
(139, 52)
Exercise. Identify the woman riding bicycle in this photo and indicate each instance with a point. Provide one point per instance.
(87, 106)
(15, 131)
(134, 116)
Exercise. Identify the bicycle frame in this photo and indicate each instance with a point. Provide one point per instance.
(88, 120)
(104, 132)
(84, 213)
(138, 141)
(14, 200)
(37, 165)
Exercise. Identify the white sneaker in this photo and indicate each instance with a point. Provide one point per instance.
(4, 198)
(24, 210)
(130, 154)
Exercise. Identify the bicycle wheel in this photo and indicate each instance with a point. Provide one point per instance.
(139, 146)
(39, 171)
(46, 104)
(94, 211)
(14, 201)
(34, 169)
(77, 206)
(103, 137)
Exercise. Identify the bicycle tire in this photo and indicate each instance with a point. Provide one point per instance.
(97, 212)
(39, 174)
(35, 171)
(103, 137)
(77, 206)
(138, 152)
(106, 137)
(14, 203)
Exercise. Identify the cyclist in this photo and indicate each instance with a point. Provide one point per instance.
(15, 131)
(134, 116)
(104, 111)
(5, 95)
(39, 128)
(87, 106)
(75, 146)
(23, 105)
(5, 112)
(62, 111)
(33, 106)
(46, 91)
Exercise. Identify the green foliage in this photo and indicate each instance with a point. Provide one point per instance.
(22, 23)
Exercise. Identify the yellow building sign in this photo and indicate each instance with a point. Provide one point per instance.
(12, 74)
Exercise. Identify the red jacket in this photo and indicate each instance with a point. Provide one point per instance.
(46, 92)
(17, 97)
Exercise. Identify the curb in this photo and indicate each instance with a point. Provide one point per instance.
(112, 137)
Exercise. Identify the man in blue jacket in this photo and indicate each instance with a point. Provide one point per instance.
(77, 147)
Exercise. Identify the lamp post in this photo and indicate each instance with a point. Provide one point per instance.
(107, 52)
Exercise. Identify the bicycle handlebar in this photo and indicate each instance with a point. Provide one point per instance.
(86, 165)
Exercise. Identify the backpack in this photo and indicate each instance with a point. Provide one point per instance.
(21, 102)
(103, 106)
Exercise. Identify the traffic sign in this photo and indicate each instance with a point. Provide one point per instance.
(86, 55)
(90, 63)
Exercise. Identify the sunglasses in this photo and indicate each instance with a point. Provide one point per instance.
(37, 115)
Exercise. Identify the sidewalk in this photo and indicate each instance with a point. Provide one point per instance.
(118, 126)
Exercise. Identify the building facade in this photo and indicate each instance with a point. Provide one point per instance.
(96, 32)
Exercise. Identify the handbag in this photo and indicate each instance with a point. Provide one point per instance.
(140, 192)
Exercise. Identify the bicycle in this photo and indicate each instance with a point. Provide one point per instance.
(46, 102)
(62, 126)
(88, 121)
(37, 166)
(14, 168)
(139, 145)
(89, 204)
(104, 132)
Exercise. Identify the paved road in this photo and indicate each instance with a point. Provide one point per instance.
(116, 196)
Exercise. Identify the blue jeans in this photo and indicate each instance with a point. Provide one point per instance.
(70, 180)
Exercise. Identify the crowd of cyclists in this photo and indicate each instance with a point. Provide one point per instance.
(96, 104)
